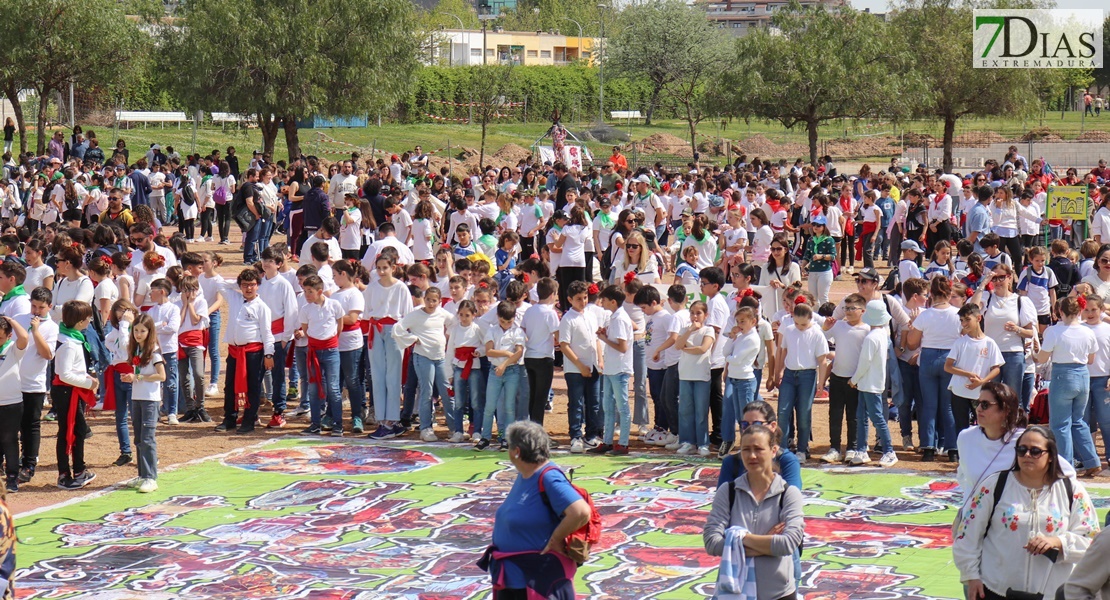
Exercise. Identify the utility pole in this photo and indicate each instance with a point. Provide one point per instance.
(601, 66)
(485, 14)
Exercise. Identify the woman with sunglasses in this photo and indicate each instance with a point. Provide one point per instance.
(778, 274)
(935, 331)
(1099, 280)
(818, 259)
(1033, 506)
(1009, 320)
(1070, 346)
(638, 260)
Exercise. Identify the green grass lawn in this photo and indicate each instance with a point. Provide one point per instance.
(394, 137)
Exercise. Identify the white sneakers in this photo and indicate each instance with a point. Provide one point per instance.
(685, 448)
(888, 460)
(860, 458)
(643, 431)
(211, 390)
(832, 456)
(576, 446)
(147, 486)
(428, 435)
(703, 451)
(849, 456)
(656, 438)
(171, 420)
(672, 442)
(456, 438)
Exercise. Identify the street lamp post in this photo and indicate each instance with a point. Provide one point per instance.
(579, 36)
(485, 15)
(601, 66)
(451, 52)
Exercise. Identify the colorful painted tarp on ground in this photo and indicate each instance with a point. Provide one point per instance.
(317, 519)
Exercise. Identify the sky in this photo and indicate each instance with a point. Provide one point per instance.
(884, 5)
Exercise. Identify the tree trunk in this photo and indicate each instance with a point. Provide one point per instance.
(693, 124)
(269, 126)
(482, 150)
(12, 93)
(949, 136)
(651, 105)
(40, 127)
(811, 129)
(292, 137)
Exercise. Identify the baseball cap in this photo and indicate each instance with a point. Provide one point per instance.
(869, 274)
(819, 220)
(912, 245)
(643, 179)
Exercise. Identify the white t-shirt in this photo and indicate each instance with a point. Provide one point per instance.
(1036, 287)
(319, 321)
(656, 331)
(998, 311)
(423, 233)
(149, 391)
(32, 369)
(718, 318)
(741, 354)
(574, 246)
(618, 328)
(402, 224)
(849, 342)
(579, 332)
(349, 300)
(1069, 344)
(350, 234)
(696, 367)
(540, 324)
(37, 275)
(939, 327)
(10, 361)
(1101, 366)
(507, 340)
(803, 348)
(978, 356)
(679, 324)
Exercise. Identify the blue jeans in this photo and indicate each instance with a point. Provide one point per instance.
(693, 412)
(349, 361)
(214, 321)
(144, 418)
(123, 406)
(738, 394)
(871, 406)
(1098, 405)
(385, 369)
(470, 393)
(430, 372)
(936, 400)
(758, 382)
(300, 367)
(655, 386)
(501, 392)
(1013, 374)
(639, 384)
(796, 399)
(329, 375)
(250, 243)
(169, 386)
(909, 398)
(1067, 412)
(614, 404)
(582, 403)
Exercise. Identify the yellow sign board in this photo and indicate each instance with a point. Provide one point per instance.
(1067, 202)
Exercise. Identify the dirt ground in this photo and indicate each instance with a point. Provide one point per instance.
(186, 442)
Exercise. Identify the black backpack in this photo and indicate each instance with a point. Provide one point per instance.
(188, 196)
(1000, 486)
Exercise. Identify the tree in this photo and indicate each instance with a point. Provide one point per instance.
(814, 66)
(46, 45)
(689, 95)
(282, 60)
(1102, 75)
(553, 15)
(488, 87)
(662, 40)
(950, 88)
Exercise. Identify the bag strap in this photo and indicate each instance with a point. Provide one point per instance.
(543, 492)
(999, 486)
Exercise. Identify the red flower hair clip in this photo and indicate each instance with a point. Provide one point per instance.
(353, 261)
(483, 285)
(629, 276)
(969, 292)
(593, 289)
(799, 299)
(1082, 300)
(75, 245)
(524, 278)
(106, 260)
(747, 292)
(446, 245)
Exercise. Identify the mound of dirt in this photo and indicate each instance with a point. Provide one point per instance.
(662, 143)
(862, 147)
(911, 138)
(511, 154)
(1093, 136)
(764, 147)
(977, 139)
(1041, 134)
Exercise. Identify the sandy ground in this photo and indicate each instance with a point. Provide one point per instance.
(186, 442)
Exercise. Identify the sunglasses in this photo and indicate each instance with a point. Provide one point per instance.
(1031, 451)
(631, 246)
(746, 424)
(984, 404)
(777, 248)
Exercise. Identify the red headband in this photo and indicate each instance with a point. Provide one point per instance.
(747, 292)
(1082, 302)
(799, 299)
(629, 276)
(593, 290)
(106, 259)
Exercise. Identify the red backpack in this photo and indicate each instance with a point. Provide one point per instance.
(1038, 409)
(578, 543)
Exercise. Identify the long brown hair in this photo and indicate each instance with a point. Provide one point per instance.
(146, 352)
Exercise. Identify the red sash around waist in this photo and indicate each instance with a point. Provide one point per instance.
(352, 327)
(466, 354)
(197, 338)
(79, 395)
(239, 353)
(364, 325)
(110, 383)
(315, 375)
(277, 326)
(379, 325)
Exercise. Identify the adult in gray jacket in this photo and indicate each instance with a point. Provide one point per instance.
(770, 511)
(1091, 576)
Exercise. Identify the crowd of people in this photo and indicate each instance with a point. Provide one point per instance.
(671, 302)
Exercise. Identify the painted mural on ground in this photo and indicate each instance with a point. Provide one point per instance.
(313, 519)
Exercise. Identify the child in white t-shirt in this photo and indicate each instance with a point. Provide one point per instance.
(973, 360)
(741, 352)
(805, 355)
(350, 230)
(13, 346)
(657, 322)
(696, 344)
(146, 396)
(505, 350)
(464, 347)
(617, 340)
(1038, 283)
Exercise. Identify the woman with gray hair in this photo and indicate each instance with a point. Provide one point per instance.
(531, 526)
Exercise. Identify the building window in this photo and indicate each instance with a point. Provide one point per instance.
(476, 52)
(533, 53)
(543, 53)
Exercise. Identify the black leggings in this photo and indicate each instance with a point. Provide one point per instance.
(206, 218)
(1012, 246)
(223, 220)
(60, 398)
(848, 250)
(10, 417)
(31, 427)
(540, 373)
(188, 228)
(565, 276)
